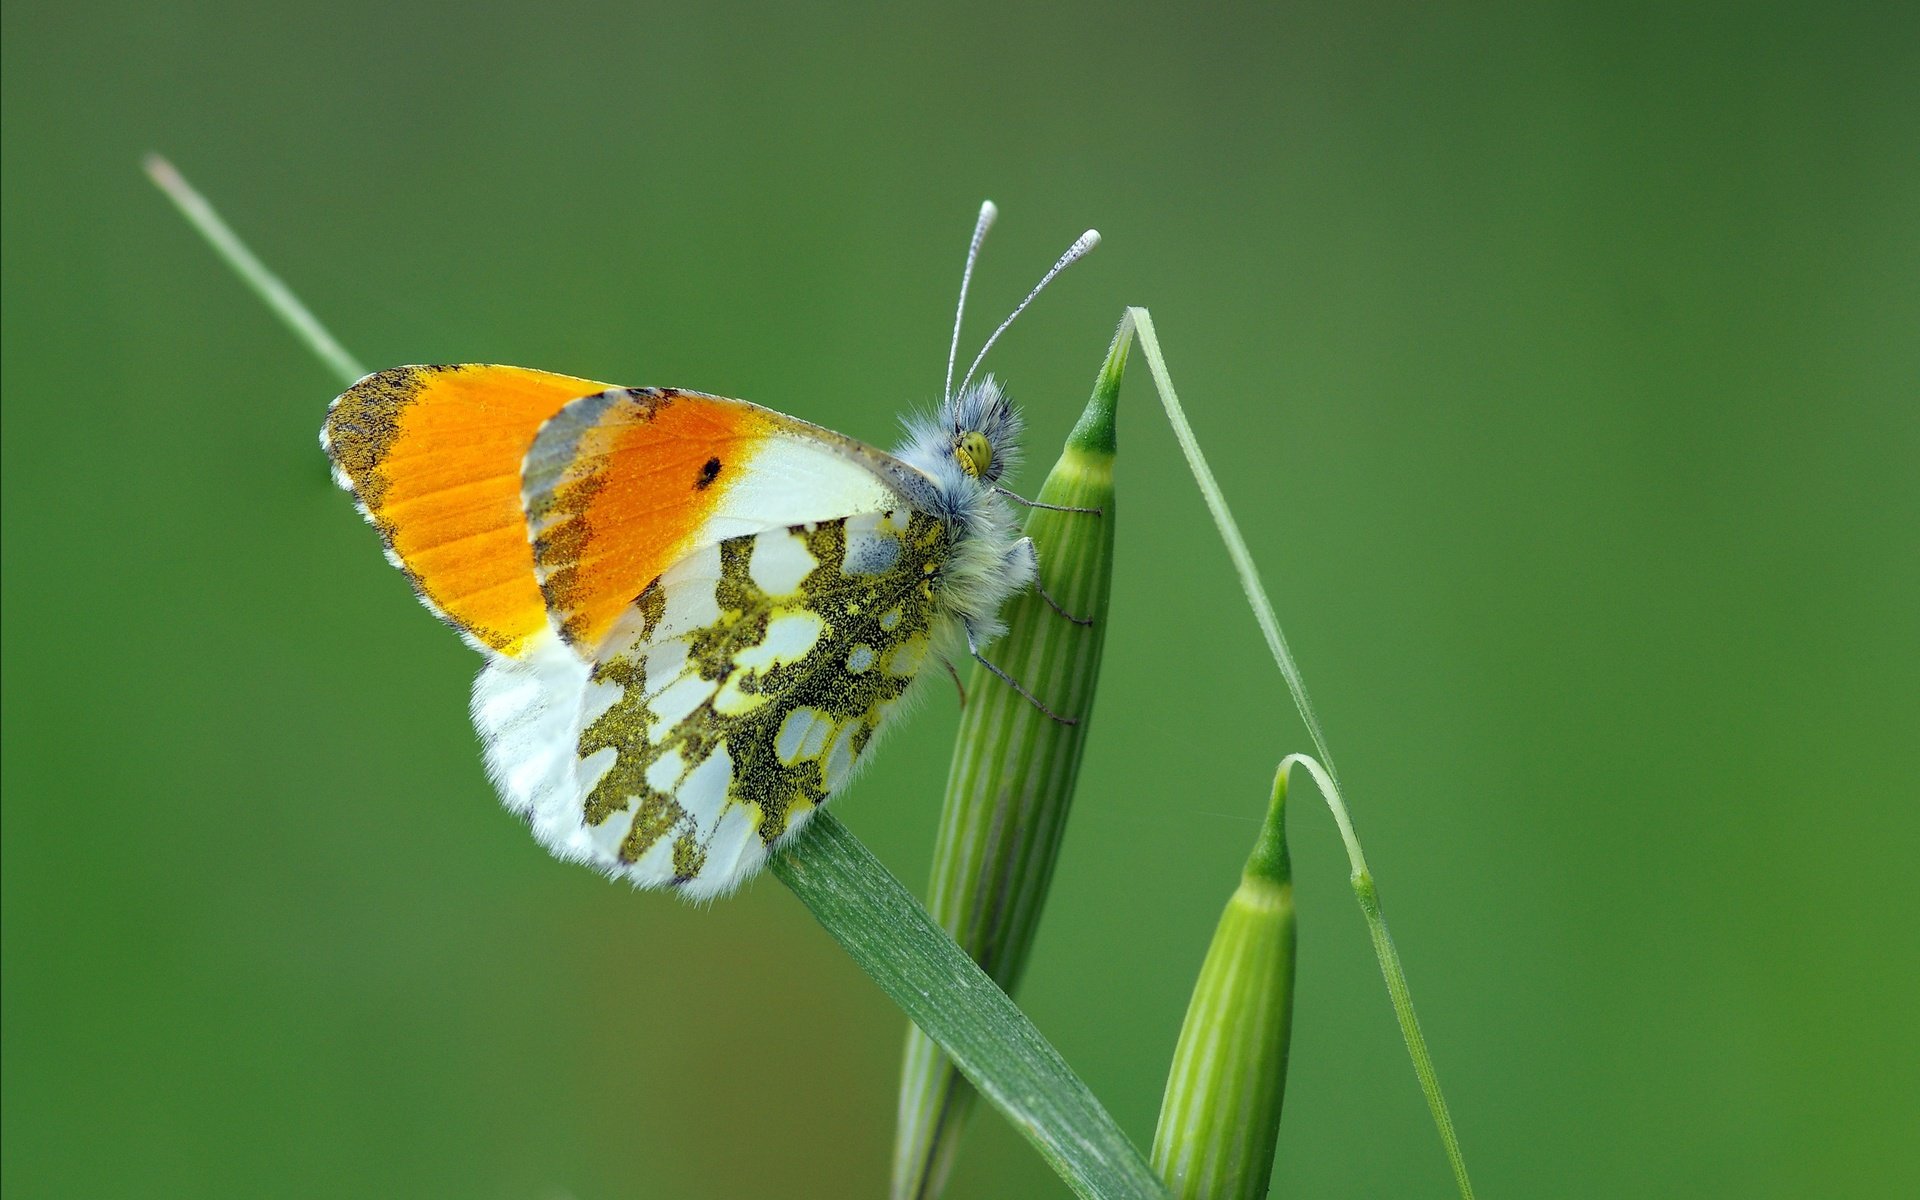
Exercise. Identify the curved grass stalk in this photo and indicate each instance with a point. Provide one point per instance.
(1326, 776)
(1365, 890)
(1229, 532)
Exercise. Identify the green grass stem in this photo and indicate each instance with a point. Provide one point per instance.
(1014, 768)
(964, 1012)
(1237, 550)
(1368, 894)
(264, 283)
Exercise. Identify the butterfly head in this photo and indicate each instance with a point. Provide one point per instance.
(968, 443)
(974, 437)
(976, 429)
(981, 431)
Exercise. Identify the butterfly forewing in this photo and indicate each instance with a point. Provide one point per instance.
(620, 485)
(433, 456)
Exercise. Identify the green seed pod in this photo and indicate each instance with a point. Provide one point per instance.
(1221, 1113)
(1014, 768)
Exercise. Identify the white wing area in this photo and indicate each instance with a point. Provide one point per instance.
(729, 702)
(530, 711)
(791, 480)
(526, 710)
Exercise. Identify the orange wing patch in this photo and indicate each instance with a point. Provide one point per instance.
(621, 485)
(434, 456)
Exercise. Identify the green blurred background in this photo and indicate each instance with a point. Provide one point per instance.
(1561, 360)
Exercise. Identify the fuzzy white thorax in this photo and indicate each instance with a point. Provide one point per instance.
(984, 569)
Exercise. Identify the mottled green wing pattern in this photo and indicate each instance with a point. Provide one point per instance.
(741, 689)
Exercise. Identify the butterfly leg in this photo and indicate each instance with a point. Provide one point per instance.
(973, 647)
(1017, 498)
(958, 686)
(1024, 559)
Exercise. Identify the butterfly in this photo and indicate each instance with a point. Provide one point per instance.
(696, 613)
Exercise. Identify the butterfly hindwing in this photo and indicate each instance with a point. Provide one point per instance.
(727, 703)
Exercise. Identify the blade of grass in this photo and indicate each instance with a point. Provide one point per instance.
(1229, 533)
(265, 284)
(946, 993)
(860, 903)
(1363, 884)
(1368, 894)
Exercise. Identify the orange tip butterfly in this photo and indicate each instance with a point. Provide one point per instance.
(696, 613)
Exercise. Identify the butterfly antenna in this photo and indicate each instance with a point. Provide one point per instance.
(987, 213)
(1081, 246)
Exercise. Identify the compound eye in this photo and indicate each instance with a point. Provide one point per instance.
(974, 453)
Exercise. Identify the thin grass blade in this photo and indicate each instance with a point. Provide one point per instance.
(1368, 894)
(877, 921)
(265, 284)
(1326, 776)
